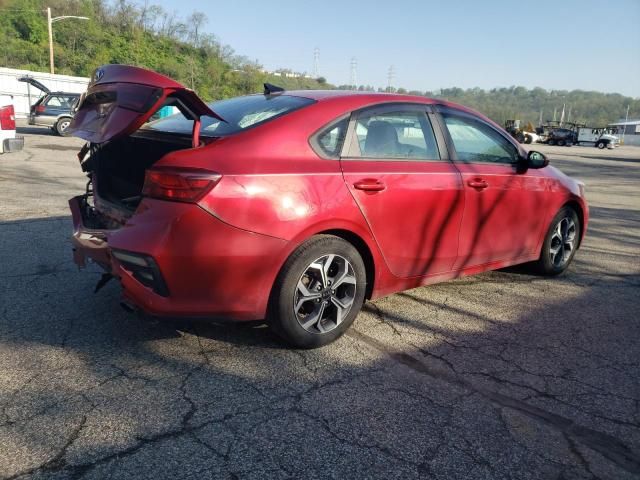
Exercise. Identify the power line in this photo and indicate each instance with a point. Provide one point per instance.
(391, 74)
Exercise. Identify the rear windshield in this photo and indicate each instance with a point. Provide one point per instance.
(239, 114)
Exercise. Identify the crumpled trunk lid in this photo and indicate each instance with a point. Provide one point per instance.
(121, 98)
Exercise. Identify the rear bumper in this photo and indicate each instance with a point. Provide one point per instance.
(12, 145)
(210, 268)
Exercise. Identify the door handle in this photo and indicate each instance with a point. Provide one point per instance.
(478, 183)
(369, 185)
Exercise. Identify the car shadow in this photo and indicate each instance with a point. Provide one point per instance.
(125, 384)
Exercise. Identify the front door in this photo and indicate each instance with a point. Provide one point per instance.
(410, 194)
(504, 207)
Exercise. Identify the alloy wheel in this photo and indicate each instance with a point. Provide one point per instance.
(563, 241)
(325, 293)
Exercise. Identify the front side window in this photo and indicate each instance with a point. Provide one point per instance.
(239, 114)
(476, 142)
(395, 135)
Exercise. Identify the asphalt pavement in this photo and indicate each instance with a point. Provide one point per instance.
(501, 375)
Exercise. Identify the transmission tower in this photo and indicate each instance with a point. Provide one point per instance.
(316, 62)
(354, 74)
(390, 76)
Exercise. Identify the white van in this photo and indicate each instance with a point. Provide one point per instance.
(8, 140)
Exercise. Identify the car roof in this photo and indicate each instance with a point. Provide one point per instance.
(358, 99)
(65, 93)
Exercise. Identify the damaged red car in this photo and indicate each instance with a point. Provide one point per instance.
(296, 207)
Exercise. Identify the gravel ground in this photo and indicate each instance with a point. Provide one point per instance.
(502, 375)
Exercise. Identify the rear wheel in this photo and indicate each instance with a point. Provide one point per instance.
(560, 243)
(62, 125)
(318, 292)
(528, 139)
(552, 141)
(561, 143)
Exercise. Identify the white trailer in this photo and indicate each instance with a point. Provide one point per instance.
(599, 137)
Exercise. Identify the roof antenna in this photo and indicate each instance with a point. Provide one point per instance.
(270, 89)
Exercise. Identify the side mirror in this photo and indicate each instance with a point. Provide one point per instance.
(536, 160)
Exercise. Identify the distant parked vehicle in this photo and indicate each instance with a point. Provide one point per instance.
(522, 135)
(599, 137)
(8, 140)
(54, 109)
(561, 137)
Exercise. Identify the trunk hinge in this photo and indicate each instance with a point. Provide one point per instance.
(196, 133)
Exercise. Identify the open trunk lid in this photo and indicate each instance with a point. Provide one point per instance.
(121, 98)
(32, 81)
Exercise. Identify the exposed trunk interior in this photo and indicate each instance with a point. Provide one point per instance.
(118, 167)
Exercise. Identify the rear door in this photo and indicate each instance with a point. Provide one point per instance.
(408, 191)
(504, 207)
(121, 98)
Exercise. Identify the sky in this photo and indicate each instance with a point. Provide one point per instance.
(553, 44)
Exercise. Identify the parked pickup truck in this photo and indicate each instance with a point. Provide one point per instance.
(8, 140)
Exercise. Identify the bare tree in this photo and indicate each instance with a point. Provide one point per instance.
(196, 21)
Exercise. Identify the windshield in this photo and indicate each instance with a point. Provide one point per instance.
(239, 113)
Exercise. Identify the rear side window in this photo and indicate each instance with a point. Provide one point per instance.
(329, 141)
(404, 135)
(239, 113)
(60, 101)
(475, 141)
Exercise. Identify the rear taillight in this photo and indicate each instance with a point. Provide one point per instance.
(179, 185)
(40, 108)
(7, 118)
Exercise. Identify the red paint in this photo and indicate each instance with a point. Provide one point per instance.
(422, 221)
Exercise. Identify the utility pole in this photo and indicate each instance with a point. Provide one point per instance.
(390, 76)
(50, 22)
(316, 62)
(624, 127)
(354, 74)
(50, 40)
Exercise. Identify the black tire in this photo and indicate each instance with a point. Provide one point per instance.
(286, 321)
(545, 264)
(561, 143)
(551, 141)
(601, 145)
(62, 125)
(528, 139)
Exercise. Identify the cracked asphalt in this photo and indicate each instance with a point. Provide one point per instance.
(502, 375)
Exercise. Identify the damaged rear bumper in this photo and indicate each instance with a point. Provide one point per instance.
(175, 259)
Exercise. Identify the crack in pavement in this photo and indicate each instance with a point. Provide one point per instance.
(608, 446)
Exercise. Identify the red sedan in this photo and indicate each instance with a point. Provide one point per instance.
(295, 207)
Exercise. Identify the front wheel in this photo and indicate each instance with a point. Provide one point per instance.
(560, 243)
(62, 125)
(551, 141)
(318, 292)
(601, 145)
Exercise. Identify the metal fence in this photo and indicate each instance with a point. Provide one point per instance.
(25, 95)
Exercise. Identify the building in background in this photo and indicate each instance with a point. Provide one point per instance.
(628, 131)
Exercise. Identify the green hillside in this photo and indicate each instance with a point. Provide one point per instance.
(131, 33)
(143, 34)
